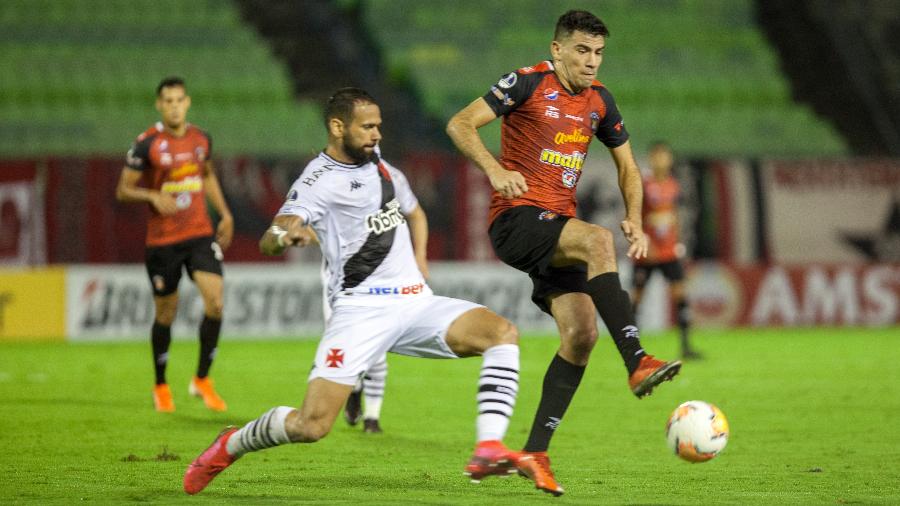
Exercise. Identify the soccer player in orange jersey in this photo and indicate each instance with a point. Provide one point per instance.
(661, 226)
(551, 111)
(172, 160)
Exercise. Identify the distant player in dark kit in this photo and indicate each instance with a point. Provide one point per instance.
(661, 226)
(172, 160)
(550, 112)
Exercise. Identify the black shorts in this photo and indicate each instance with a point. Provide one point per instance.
(164, 262)
(673, 271)
(525, 237)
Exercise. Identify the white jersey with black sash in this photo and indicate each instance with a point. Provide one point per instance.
(358, 213)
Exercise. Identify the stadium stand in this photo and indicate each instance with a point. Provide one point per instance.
(696, 72)
(77, 77)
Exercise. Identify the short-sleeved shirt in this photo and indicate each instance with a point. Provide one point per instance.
(174, 165)
(660, 217)
(546, 132)
(358, 213)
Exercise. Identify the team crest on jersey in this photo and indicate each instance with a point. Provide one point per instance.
(570, 178)
(508, 81)
(595, 121)
(165, 159)
(548, 216)
(551, 94)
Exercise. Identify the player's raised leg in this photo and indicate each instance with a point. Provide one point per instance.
(160, 339)
(482, 332)
(211, 289)
(593, 245)
(281, 425)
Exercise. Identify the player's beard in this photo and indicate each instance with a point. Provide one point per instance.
(357, 153)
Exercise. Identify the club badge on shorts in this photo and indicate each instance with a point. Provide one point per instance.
(548, 216)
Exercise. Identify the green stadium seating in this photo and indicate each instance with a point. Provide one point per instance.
(78, 77)
(698, 73)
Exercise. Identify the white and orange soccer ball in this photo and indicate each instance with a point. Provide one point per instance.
(697, 431)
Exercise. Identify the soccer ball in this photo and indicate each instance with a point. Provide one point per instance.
(697, 431)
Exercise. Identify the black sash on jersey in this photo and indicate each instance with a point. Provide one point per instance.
(376, 248)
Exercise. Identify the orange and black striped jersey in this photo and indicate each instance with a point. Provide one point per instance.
(660, 217)
(545, 134)
(174, 165)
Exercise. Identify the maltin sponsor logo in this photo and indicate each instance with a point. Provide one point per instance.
(574, 161)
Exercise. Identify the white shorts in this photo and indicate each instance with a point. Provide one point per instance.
(357, 336)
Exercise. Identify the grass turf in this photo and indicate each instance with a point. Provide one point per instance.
(814, 418)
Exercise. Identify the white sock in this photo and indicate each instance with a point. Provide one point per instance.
(373, 389)
(265, 432)
(497, 389)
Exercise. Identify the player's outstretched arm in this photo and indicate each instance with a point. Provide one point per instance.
(463, 130)
(225, 229)
(128, 191)
(286, 231)
(633, 193)
(418, 229)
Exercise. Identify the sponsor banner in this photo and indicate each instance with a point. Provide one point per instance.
(833, 211)
(32, 304)
(268, 300)
(809, 295)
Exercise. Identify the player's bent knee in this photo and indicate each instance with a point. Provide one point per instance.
(505, 333)
(300, 430)
(580, 340)
(599, 240)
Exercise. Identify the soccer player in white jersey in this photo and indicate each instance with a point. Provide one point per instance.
(362, 210)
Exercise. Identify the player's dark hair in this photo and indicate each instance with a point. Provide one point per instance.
(581, 21)
(341, 104)
(168, 82)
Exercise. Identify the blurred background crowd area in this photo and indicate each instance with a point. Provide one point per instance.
(784, 116)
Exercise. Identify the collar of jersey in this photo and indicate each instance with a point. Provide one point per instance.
(341, 164)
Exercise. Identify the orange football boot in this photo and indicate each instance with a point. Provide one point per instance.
(203, 388)
(536, 467)
(651, 372)
(209, 464)
(490, 458)
(162, 398)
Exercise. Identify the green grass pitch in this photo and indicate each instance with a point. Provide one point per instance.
(814, 414)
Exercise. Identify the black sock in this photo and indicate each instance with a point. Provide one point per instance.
(160, 338)
(614, 307)
(209, 339)
(560, 383)
(684, 323)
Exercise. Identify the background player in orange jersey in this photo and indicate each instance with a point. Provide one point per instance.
(550, 112)
(172, 160)
(661, 226)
